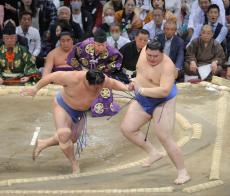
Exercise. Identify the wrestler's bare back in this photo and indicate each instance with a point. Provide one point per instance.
(150, 76)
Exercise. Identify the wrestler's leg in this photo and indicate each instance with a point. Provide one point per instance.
(77, 129)
(63, 124)
(44, 143)
(134, 119)
(164, 120)
(41, 144)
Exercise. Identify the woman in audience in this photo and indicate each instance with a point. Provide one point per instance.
(129, 21)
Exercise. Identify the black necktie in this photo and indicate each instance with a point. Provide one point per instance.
(115, 44)
(205, 19)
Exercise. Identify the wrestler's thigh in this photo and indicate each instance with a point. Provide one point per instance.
(61, 117)
(79, 128)
(164, 117)
(135, 117)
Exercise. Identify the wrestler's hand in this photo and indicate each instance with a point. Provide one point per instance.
(131, 86)
(24, 79)
(138, 89)
(29, 91)
(1, 81)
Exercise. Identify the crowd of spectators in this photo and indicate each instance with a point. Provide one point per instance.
(194, 33)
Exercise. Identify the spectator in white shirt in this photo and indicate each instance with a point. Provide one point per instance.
(199, 10)
(32, 34)
(116, 40)
(156, 25)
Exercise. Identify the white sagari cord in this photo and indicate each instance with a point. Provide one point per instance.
(35, 136)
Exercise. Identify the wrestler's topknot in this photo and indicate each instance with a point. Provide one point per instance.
(155, 45)
(95, 77)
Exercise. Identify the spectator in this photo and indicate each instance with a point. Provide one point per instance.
(156, 25)
(116, 5)
(30, 6)
(47, 15)
(198, 14)
(95, 8)
(204, 50)
(128, 19)
(32, 34)
(82, 17)
(173, 47)
(159, 4)
(174, 6)
(183, 28)
(64, 16)
(108, 19)
(116, 40)
(142, 8)
(220, 31)
(16, 63)
(9, 10)
(131, 52)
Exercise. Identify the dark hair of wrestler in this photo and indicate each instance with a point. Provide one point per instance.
(155, 45)
(95, 77)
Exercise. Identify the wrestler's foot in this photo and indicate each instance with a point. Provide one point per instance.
(75, 167)
(152, 158)
(37, 149)
(182, 177)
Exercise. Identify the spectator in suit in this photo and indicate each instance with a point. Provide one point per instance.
(173, 46)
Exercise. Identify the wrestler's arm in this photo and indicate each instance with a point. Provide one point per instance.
(115, 84)
(48, 64)
(62, 78)
(166, 82)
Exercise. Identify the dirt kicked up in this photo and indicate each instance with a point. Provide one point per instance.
(111, 165)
